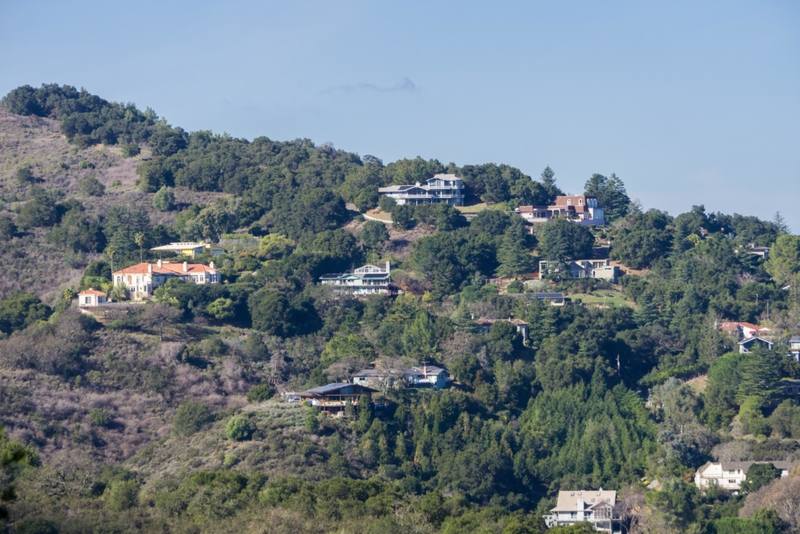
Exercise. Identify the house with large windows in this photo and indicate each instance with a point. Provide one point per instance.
(581, 209)
(598, 507)
(366, 280)
(142, 279)
(442, 188)
(729, 476)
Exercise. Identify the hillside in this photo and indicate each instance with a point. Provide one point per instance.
(168, 415)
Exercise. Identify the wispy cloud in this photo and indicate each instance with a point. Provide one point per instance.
(405, 85)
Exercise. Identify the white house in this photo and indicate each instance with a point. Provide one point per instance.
(748, 345)
(91, 297)
(730, 475)
(143, 278)
(600, 269)
(366, 280)
(598, 507)
(442, 188)
(794, 347)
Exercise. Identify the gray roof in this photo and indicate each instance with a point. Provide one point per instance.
(744, 466)
(751, 339)
(332, 388)
(568, 500)
(549, 295)
(417, 370)
(795, 339)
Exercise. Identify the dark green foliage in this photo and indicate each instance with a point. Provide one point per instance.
(20, 310)
(734, 525)
(37, 525)
(164, 199)
(759, 475)
(387, 204)
(131, 150)
(610, 193)
(562, 240)
(403, 216)
(498, 183)
(39, 210)
(25, 176)
(123, 495)
(514, 253)
(7, 227)
(190, 418)
(99, 417)
(644, 241)
(238, 428)
(374, 233)
(260, 393)
(91, 187)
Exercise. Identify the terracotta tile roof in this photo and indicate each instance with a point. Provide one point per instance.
(92, 292)
(166, 268)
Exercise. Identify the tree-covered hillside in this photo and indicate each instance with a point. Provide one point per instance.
(167, 416)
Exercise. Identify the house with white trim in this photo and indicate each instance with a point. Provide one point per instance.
(91, 297)
(598, 507)
(581, 209)
(142, 279)
(366, 280)
(442, 188)
(730, 475)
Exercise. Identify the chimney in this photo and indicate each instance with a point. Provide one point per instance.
(160, 264)
(580, 508)
(185, 267)
(150, 268)
(211, 264)
(425, 368)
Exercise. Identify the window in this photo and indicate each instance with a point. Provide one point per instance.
(580, 202)
(731, 482)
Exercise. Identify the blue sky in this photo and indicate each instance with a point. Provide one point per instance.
(688, 102)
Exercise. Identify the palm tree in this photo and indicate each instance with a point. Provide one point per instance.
(139, 238)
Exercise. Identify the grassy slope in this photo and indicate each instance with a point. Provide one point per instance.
(28, 261)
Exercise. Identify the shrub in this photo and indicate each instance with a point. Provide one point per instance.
(7, 227)
(131, 150)
(239, 428)
(91, 187)
(386, 204)
(123, 495)
(260, 393)
(36, 525)
(25, 176)
(164, 199)
(99, 417)
(190, 418)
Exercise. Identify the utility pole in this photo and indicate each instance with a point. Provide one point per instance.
(618, 371)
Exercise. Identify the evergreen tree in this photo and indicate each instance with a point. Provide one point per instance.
(463, 321)
(514, 256)
(365, 415)
(780, 223)
(164, 199)
(419, 339)
(760, 371)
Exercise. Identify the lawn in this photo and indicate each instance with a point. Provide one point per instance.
(604, 297)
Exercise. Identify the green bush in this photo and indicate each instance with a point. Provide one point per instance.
(164, 199)
(190, 418)
(130, 150)
(123, 495)
(260, 393)
(99, 417)
(239, 428)
(91, 187)
(37, 525)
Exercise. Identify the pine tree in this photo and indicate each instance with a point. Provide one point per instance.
(462, 319)
(400, 448)
(548, 177)
(780, 223)
(759, 375)
(514, 255)
(419, 339)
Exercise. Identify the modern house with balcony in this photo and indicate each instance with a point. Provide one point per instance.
(366, 280)
(581, 209)
(442, 188)
(332, 398)
(598, 507)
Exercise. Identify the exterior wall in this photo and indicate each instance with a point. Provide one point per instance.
(145, 283)
(91, 300)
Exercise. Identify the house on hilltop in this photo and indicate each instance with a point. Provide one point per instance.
(598, 507)
(600, 269)
(581, 209)
(422, 375)
(142, 279)
(442, 188)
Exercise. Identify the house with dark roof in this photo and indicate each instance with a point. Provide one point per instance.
(141, 279)
(332, 398)
(366, 280)
(750, 344)
(442, 188)
(730, 475)
(598, 507)
(554, 299)
(422, 375)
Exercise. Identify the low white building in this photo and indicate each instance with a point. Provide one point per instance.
(598, 507)
(91, 297)
(143, 278)
(730, 475)
(442, 188)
